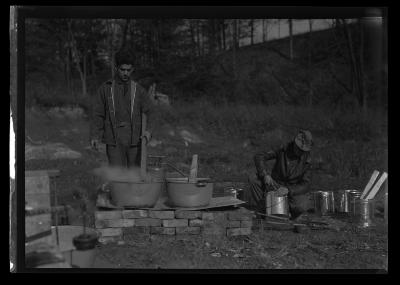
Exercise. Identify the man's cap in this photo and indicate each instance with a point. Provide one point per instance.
(304, 140)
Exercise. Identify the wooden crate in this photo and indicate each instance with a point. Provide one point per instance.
(37, 195)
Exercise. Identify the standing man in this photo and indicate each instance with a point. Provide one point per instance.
(289, 175)
(117, 115)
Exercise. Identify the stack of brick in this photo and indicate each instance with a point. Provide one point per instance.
(123, 224)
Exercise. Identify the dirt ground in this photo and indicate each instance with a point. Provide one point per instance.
(347, 248)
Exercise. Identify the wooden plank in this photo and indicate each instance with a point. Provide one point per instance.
(37, 184)
(37, 224)
(369, 184)
(215, 202)
(377, 186)
(193, 169)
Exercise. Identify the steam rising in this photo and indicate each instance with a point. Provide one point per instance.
(108, 173)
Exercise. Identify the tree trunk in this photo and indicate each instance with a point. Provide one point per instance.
(77, 59)
(363, 93)
(310, 88)
(291, 38)
(355, 66)
(68, 70)
(223, 34)
(234, 47)
(198, 37)
(110, 32)
(264, 30)
(193, 45)
(125, 33)
(84, 73)
(252, 32)
(279, 29)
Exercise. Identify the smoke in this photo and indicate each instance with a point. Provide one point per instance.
(108, 173)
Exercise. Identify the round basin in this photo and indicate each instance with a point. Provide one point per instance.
(189, 194)
(135, 194)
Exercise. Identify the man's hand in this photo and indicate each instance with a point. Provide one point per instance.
(282, 191)
(268, 180)
(94, 144)
(147, 136)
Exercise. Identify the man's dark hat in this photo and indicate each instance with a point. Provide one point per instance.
(304, 140)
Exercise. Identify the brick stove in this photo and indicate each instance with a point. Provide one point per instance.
(116, 225)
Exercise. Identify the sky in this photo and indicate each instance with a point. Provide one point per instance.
(280, 29)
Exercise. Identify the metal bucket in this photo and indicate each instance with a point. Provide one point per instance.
(135, 194)
(342, 201)
(386, 208)
(276, 205)
(324, 202)
(364, 213)
(77, 258)
(354, 196)
(188, 194)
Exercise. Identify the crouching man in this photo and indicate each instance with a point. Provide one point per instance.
(289, 175)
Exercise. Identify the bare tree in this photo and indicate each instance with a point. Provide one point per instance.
(78, 58)
(290, 38)
(264, 30)
(234, 45)
(251, 24)
(222, 23)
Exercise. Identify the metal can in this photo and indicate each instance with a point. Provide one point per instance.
(365, 212)
(342, 201)
(324, 202)
(386, 208)
(276, 205)
(354, 196)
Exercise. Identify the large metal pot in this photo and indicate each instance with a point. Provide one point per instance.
(135, 194)
(182, 193)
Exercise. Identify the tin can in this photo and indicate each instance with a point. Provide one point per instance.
(386, 208)
(354, 196)
(365, 213)
(324, 202)
(342, 201)
(276, 205)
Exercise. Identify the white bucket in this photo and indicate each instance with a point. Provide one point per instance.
(77, 258)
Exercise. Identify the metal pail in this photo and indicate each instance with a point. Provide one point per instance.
(342, 201)
(324, 202)
(354, 196)
(276, 205)
(386, 208)
(364, 212)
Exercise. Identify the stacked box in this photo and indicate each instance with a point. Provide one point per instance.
(115, 225)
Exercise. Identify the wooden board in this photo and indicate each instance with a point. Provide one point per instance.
(37, 224)
(370, 183)
(377, 186)
(216, 202)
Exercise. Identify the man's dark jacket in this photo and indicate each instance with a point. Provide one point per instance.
(103, 119)
(293, 174)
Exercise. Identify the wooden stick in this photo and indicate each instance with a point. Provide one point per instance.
(193, 169)
(143, 160)
(377, 186)
(369, 184)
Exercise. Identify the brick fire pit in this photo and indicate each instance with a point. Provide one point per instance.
(114, 225)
